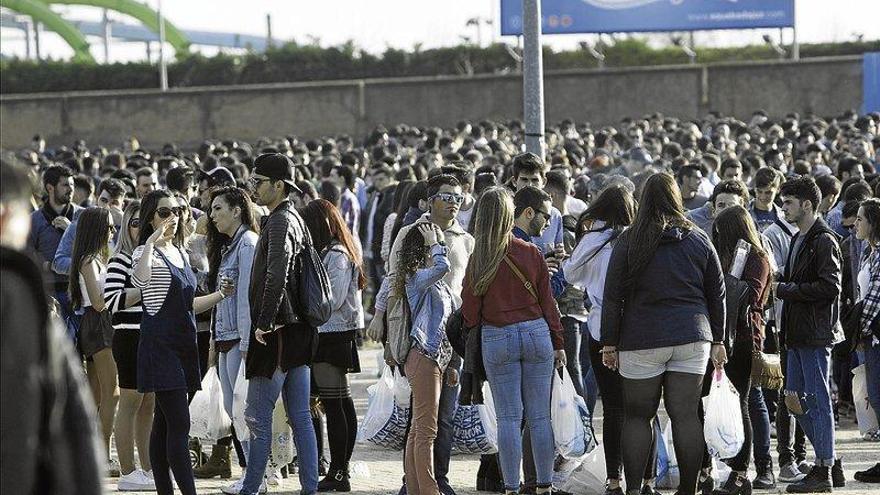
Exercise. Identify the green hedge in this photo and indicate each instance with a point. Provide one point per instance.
(293, 62)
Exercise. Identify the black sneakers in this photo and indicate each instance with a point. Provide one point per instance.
(735, 485)
(706, 486)
(870, 475)
(817, 481)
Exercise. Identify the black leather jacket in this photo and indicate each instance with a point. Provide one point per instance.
(810, 290)
(274, 277)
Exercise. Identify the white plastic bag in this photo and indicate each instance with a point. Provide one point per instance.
(723, 427)
(208, 419)
(589, 477)
(239, 405)
(475, 426)
(384, 424)
(282, 437)
(865, 415)
(402, 389)
(570, 416)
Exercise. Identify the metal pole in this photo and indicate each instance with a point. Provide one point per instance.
(795, 46)
(26, 27)
(107, 34)
(533, 71)
(163, 69)
(37, 50)
(269, 42)
(149, 53)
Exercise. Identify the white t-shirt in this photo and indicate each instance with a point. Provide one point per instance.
(102, 276)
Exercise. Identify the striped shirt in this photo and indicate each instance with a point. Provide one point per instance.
(154, 291)
(115, 285)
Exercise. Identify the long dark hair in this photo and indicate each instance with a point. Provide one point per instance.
(149, 205)
(413, 191)
(660, 208)
(327, 227)
(215, 240)
(731, 225)
(90, 243)
(871, 209)
(615, 206)
(410, 258)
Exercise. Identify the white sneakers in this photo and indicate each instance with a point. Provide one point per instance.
(235, 488)
(136, 481)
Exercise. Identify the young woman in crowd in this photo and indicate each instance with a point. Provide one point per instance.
(521, 335)
(604, 221)
(91, 251)
(134, 418)
(231, 239)
(662, 318)
(168, 362)
(730, 226)
(422, 264)
(337, 356)
(867, 228)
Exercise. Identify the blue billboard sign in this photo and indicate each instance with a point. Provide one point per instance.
(621, 16)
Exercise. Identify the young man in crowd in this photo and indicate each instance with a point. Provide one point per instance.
(689, 178)
(763, 209)
(444, 199)
(727, 193)
(810, 290)
(279, 360)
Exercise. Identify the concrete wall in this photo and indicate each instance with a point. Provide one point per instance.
(188, 116)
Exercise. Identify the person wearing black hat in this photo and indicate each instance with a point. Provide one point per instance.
(285, 344)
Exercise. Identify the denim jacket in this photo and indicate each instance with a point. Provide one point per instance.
(431, 302)
(233, 315)
(348, 310)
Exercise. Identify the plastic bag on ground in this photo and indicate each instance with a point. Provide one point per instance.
(589, 477)
(208, 419)
(570, 417)
(239, 404)
(475, 426)
(865, 415)
(723, 426)
(384, 423)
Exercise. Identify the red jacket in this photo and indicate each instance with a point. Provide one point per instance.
(507, 301)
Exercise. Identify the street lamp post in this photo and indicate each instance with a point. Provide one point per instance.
(533, 84)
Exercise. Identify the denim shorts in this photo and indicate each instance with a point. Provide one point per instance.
(647, 363)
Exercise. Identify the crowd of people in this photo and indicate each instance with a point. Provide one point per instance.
(642, 259)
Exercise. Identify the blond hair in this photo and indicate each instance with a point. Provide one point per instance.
(492, 231)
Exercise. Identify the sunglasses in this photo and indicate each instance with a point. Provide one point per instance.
(134, 223)
(451, 198)
(546, 215)
(256, 181)
(166, 212)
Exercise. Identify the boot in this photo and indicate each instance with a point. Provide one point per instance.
(218, 465)
(838, 480)
(765, 479)
(335, 481)
(736, 484)
(818, 481)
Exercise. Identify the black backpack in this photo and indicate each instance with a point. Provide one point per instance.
(315, 296)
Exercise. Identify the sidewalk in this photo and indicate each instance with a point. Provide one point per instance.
(386, 469)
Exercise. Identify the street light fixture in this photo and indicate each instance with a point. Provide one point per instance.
(688, 50)
(775, 46)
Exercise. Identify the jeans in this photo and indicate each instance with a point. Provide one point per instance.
(443, 443)
(228, 368)
(872, 374)
(293, 386)
(519, 365)
(807, 376)
(760, 427)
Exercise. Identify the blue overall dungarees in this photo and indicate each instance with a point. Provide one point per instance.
(168, 354)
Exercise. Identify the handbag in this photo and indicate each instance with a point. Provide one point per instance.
(767, 370)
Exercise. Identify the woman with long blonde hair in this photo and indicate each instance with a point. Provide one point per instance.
(507, 291)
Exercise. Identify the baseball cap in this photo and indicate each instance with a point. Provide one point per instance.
(219, 176)
(276, 167)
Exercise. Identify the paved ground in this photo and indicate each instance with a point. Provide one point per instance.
(385, 468)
